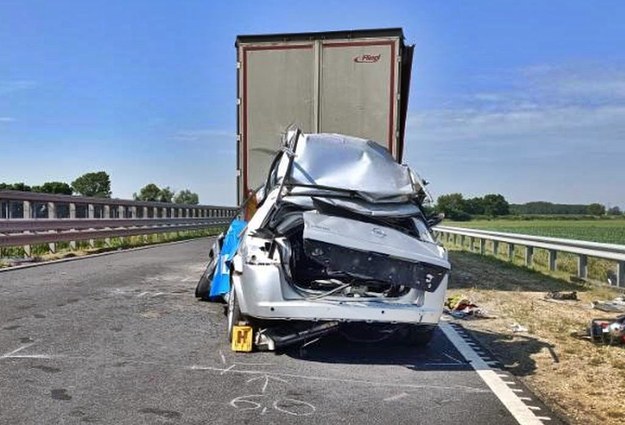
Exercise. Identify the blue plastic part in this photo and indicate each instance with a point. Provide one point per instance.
(221, 279)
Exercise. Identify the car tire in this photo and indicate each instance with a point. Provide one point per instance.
(203, 288)
(234, 311)
(418, 335)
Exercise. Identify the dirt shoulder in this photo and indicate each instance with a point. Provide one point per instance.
(582, 381)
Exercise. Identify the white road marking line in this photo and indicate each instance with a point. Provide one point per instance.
(503, 375)
(505, 394)
(533, 407)
(396, 397)
(544, 418)
(526, 398)
(510, 382)
(517, 390)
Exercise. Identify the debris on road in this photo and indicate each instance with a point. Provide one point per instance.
(617, 305)
(561, 295)
(608, 331)
(462, 307)
(517, 328)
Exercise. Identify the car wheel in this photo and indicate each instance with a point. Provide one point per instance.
(234, 312)
(418, 335)
(203, 288)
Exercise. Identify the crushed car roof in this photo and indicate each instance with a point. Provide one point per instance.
(348, 163)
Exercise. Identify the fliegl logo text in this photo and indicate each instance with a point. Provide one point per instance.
(367, 58)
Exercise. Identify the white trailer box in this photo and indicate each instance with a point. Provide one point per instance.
(349, 82)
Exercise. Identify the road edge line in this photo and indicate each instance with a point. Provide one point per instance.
(99, 254)
(511, 401)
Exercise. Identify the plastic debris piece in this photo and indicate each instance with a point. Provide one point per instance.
(516, 328)
(617, 305)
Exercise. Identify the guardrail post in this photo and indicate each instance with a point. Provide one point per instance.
(91, 215)
(582, 266)
(495, 248)
(529, 255)
(106, 211)
(482, 246)
(471, 243)
(72, 215)
(553, 255)
(52, 214)
(26, 214)
(620, 274)
(510, 252)
(462, 240)
(121, 213)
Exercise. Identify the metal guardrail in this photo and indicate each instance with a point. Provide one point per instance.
(582, 249)
(36, 218)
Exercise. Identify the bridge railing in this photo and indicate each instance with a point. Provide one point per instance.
(581, 249)
(28, 218)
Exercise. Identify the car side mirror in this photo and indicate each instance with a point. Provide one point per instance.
(433, 220)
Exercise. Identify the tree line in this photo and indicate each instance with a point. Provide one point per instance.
(98, 185)
(456, 207)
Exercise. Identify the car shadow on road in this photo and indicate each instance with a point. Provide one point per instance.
(514, 353)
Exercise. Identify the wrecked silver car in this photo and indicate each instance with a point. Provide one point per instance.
(339, 236)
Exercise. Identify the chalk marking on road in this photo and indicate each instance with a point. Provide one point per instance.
(267, 378)
(454, 359)
(223, 358)
(396, 397)
(292, 402)
(328, 379)
(7, 355)
(228, 369)
(29, 356)
(505, 394)
(264, 411)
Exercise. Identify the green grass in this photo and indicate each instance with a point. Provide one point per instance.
(608, 231)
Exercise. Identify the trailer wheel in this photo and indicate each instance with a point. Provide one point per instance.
(234, 312)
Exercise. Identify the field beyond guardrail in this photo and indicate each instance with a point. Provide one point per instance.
(28, 218)
(583, 250)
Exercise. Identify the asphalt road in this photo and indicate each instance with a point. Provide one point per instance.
(120, 339)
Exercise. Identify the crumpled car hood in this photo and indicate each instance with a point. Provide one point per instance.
(373, 238)
(348, 163)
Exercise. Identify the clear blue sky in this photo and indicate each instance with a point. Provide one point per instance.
(523, 98)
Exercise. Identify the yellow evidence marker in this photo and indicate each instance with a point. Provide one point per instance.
(242, 338)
